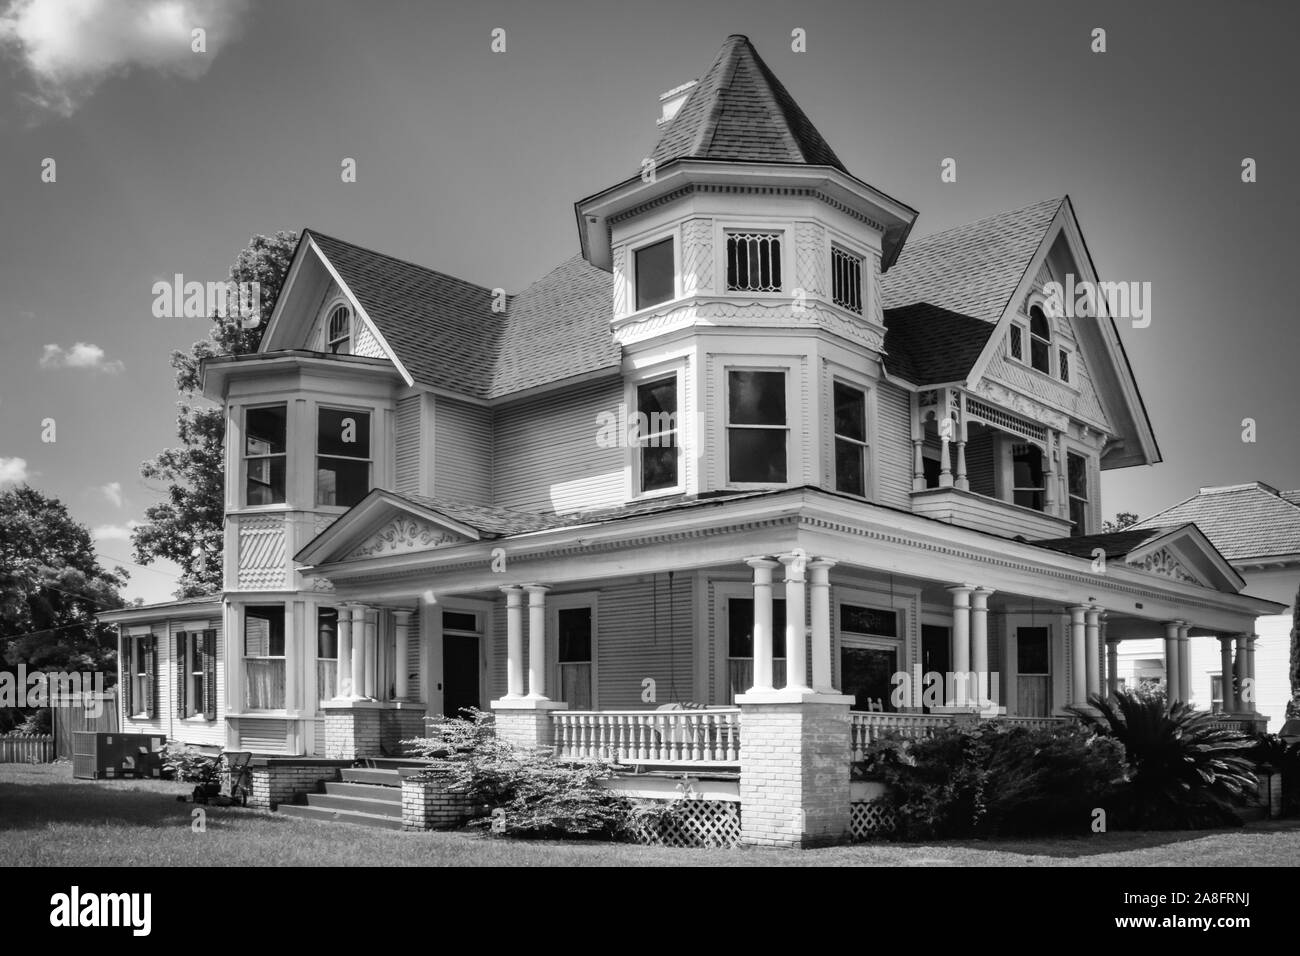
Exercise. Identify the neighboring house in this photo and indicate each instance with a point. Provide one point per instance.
(860, 455)
(1257, 529)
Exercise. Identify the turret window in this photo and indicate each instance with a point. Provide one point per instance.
(655, 274)
(757, 427)
(850, 439)
(264, 455)
(342, 457)
(754, 262)
(846, 280)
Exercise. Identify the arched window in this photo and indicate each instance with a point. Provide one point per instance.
(338, 331)
(1040, 340)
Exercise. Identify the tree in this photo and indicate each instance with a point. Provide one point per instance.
(1121, 521)
(187, 526)
(51, 590)
(1293, 705)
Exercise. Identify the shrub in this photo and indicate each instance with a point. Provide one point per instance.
(1183, 772)
(541, 796)
(1271, 752)
(994, 779)
(188, 765)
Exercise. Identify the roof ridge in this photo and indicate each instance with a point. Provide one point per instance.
(1059, 200)
(1243, 486)
(398, 259)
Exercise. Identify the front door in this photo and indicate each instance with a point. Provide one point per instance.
(936, 654)
(1033, 672)
(459, 674)
(867, 674)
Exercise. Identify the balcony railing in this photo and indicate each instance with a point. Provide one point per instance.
(708, 737)
(867, 728)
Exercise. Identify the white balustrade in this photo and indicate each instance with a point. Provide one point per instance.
(706, 737)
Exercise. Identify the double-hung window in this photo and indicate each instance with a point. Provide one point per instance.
(1029, 487)
(1076, 468)
(327, 653)
(757, 427)
(1040, 340)
(851, 450)
(342, 457)
(264, 455)
(264, 671)
(657, 441)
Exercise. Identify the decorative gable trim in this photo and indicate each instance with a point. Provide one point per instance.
(1186, 555)
(381, 525)
(403, 535)
(1164, 562)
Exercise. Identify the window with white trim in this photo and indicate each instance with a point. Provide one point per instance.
(343, 456)
(753, 262)
(1040, 340)
(1076, 479)
(851, 449)
(194, 671)
(576, 638)
(327, 653)
(654, 273)
(846, 280)
(338, 331)
(740, 645)
(265, 430)
(1063, 364)
(757, 427)
(1016, 342)
(657, 443)
(264, 666)
(1029, 486)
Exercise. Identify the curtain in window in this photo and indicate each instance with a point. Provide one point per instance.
(575, 685)
(327, 675)
(264, 683)
(741, 670)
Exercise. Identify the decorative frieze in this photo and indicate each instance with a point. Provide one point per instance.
(755, 314)
(1164, 563)
(261, 552)
(403, 535)
(697, 257)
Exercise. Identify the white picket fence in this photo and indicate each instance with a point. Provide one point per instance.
(27, 748)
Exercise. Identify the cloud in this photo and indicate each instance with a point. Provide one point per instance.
(13, 471)
(81, 355)
(69, 47)
(113, 492)
(114, 532)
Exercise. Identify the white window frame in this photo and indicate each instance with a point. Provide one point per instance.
(244, 457)
(869, 412)
(1023, 328)
(792, 459)
(194, 674)
(287, 607)
(632, 457)
(321, 696)
(847, 250)
(1089, 485)
(723, 592)
(139, 674)
(373, 415)
(641, 242)
(334, 305)
(555, 604)
(904, 603)
(724, 227)
(780, 235)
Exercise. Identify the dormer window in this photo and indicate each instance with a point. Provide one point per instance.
(1040, 341)
(754, 262)
(338, 331)
(654, 274)
(846, 280)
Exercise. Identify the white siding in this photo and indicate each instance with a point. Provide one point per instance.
(892, 456)
(635, 641)
(462, 452)
(408, 441)
(166, 721)
(546, 456)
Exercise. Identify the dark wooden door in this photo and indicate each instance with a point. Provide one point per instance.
(866, 673)
(459, 674)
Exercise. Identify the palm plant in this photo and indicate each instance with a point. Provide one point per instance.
(1183, 771)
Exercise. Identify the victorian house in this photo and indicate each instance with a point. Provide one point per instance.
(754, 451)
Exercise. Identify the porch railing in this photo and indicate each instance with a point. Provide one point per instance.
(867, 728)
(668, 737)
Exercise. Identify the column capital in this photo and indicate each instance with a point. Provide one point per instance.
(762, 561)
(795, 564)
(1114, 642)
(402, 616)
(1183, 630)
(960, 590)
(980, 599)
(509, 589)
(1094, 613)
(535, 590)
(1251, 639)
(1171, 629)
(1077, 612)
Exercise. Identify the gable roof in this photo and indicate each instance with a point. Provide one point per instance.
(1244, 521)
(1115, 544)
(971, 269)
(741, 112)
(1187, 543)
(443, 330)
(927, 345)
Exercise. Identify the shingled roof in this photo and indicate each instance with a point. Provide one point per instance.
(740, 112)
(1243, 521)
(444, 332)
(971, 269)
(927, 345)
(1115, 544)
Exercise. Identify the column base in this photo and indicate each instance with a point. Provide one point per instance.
(526, 721)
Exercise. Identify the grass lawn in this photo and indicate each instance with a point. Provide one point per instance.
(49, 819)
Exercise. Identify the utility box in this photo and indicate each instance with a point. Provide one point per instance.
(106, 756)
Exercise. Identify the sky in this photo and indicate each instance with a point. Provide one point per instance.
(166, 160)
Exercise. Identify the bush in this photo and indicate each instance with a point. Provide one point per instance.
(541, 796)
(188, 765)
(994, 780)
(1271, 753)
(1184, 773)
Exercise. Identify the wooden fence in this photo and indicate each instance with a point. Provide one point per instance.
(27, 748)
(75, 714)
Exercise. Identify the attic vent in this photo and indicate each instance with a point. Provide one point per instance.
(1005, 420)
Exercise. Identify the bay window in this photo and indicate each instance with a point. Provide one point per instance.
(327, 653)
(846, 280)
(754, 262)
(342, 456)
(656, 405)
(850, 439)
(655, 273)
(264, 665)
(757, 427)
(265, 431)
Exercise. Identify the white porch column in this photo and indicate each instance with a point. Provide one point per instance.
(961, 482)
(918, 465)
(1226, 676)
(1250, 673)
(1112, 666)
(763, 622)
(821, 625)
(401, 632)
(961, 642)
(796, 634)
(514, 641)
(536, 641)
(1078, 655)
(1185, 661)
(979, 643)
(343, 672)
(372, 652)
(358, 651)
(945, 461)
(1173, 689)
(1092, 629)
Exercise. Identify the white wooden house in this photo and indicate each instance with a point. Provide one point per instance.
(860, 455)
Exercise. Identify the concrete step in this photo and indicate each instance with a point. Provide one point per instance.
(384, 778)
(381, 807)
(366, 791)
(392, 763)
(327, 815)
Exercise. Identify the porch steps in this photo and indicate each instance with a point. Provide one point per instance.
(367, 796)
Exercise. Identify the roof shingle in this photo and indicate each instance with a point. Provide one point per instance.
(1242, 521)
(927, 345)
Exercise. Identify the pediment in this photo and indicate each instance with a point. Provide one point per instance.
(402, 535)
(382, 525)
(1186, 555)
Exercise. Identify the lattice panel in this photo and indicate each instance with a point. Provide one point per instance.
(696, 824)
(870, 820)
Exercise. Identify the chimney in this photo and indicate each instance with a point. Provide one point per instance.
(672, 101)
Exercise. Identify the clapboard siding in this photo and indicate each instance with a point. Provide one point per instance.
(893, 451)
(165, 720)
(644, 632)
(261, 736)
(408, 442)
(413, 668)
(462, 452)
(546, 455)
